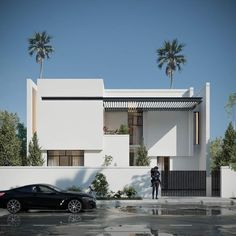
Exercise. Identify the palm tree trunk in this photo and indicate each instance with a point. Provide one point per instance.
(171, 80)
(41, 69)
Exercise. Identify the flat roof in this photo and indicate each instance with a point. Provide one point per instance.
(139, 103)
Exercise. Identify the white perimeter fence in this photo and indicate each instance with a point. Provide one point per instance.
(117, 177)
(64, 177)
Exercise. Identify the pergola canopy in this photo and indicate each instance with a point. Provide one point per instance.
(151, 103)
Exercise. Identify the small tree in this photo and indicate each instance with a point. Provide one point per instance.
(9, 142)
(228, 146)
(142, 156)
(230, 107)
(35, 155)
(100, 185)
(215, 153)
(233, 158)
(22, 135)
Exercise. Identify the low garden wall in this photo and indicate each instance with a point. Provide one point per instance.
(228, 180)
(64, 177)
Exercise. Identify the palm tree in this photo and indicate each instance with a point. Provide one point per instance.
(39, 44)
(169, 54)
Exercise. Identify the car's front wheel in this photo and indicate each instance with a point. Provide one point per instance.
(74, 206)
(13, 206)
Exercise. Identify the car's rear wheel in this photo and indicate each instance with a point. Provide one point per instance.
(13, 206)
(74, 206)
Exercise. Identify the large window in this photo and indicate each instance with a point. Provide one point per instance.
(65, 158)
(135, 122)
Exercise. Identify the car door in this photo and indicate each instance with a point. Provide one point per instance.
(46, 197)
(25, 195)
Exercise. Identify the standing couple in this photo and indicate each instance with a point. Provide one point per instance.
(155, 181)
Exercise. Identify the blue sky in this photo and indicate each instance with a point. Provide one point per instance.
(117, 41)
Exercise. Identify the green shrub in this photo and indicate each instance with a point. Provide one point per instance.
(100, 185)
(119, 194)
(107, 160)
(123, 129)
(129, 191)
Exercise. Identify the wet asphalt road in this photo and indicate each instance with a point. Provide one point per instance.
(145, 220)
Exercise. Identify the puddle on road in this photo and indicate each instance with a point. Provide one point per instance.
(132, 230)
(180, 210)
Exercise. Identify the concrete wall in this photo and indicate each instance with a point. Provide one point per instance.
(70, 124)
(167, 133)
(116, 146)
(64, 177)
(202, 150)
(184, 163)
(228, 179)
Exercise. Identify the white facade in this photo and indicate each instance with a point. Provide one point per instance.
(80, 117)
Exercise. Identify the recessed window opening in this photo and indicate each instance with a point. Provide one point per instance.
(196, 127)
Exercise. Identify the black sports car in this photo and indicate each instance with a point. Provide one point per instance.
(44, 196)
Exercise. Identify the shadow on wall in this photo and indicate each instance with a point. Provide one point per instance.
(82, 179)
(142, 184)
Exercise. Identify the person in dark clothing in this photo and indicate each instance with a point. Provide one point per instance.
(155, 181)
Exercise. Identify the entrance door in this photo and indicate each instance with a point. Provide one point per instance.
(166, 164)
(163, 163)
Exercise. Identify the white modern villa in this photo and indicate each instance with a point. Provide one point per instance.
(77, 122)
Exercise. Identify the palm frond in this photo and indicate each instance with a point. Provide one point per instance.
(169, 54)
(39, 44)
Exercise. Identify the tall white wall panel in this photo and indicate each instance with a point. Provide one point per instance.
(70, 124)
(166, 133)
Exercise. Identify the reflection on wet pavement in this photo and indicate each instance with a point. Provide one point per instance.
(148, 220)
(132, 230)
(181, 210)
(15, 219)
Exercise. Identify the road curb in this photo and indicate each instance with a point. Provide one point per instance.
(166, 200)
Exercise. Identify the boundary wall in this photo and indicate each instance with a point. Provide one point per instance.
(64, 177)
(228, 179)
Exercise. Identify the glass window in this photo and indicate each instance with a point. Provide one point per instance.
(27, 189)
(135, 121)
(65, 158)
(45, 189)
(53, 160)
